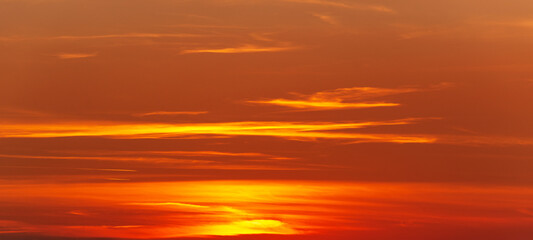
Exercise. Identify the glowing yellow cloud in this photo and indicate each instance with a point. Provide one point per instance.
(323, 105)
(339, 98)
(343, 98)
(289, 130)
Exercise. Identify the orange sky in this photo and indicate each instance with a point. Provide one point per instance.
(269, 120)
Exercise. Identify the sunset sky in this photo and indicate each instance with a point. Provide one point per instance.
(266, 119)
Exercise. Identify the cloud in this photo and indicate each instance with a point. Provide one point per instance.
(287, 130)
(162, 113)
(13, 39)
(196, 26)
(261, 37)
(324, 105)
(128, 35)
(8, 227)
(198, 153)
(524, 23)
(78, 212)
(15, 112)
(108, 169)
(242, 49)
(326, 18)
(343, 98)
(117, 179)
(375, 8)
(107, 158)
(339, 98)
(171, 204)
(527, 23)
(477, 140)
(104, 36)
(214, 160)
(75, 55)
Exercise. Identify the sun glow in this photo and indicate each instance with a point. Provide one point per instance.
(256, 226)
(227, 208)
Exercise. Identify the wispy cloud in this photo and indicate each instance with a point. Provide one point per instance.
(262, 37)
(343, 98)
(8, 227)
(339, 98)
(117, 179)
(108, 169)
(75, 55)
(323, 105)
(78, 212)
(128, 35)
(17, 112)
(288, 130)
(326, 18)
(198, 153)
(242, 49)
(170, 204)
(208, 26)
(478, 140)
(107, 158)
(375, 8)
(103, 36)
(168, 163)
(213, 160)
(524, 22)
(13, 38)
(163, 113)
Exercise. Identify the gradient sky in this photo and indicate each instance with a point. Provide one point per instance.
(266, 119)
